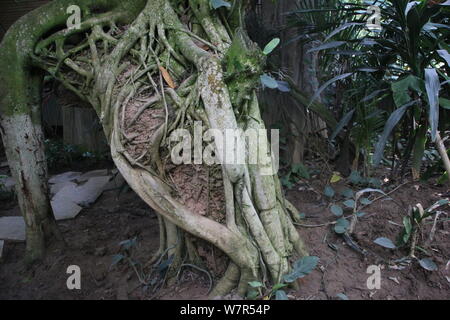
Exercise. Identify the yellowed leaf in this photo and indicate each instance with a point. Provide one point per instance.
(167, 77)
(335, 177)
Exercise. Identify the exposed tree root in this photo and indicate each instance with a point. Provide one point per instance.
(129, 73)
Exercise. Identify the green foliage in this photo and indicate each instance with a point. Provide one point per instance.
(271, 46)
(351, 201)
(404, 66)
(300, 269)
(411, 225)
(295, 173)
(341, 226)
(59, 154)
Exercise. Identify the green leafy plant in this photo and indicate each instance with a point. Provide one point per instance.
(295, 173)
(406, 64)
(409, 234)
(301, 268)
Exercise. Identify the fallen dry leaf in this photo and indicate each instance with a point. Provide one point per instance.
(167, 77)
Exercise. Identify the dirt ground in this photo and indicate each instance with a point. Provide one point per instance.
(93, 240)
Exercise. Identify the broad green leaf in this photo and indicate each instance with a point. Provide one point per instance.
(344, 121)
(281, 295)
(342, 296)
(341, 226)
(445, 103)
(283, 86)
(433, 86)
(343, 27)
(302, 267)
(271, 46)
(278, 286)
(385, 242)
(336, 177)
(390, 124)
(306, 264)
(326, 84)
(355, 177)
(337, 210)
(252, 294)
(349, 203)
(419, 150)
(445, 55)
(268, 81)
(400, 89)
(408, 228)
(329, 192)
(255, 284)
(428, 264)
(300, 170)
(365, 201)
(220, 3)
(409, 6)
(328, 45)
(348, 193)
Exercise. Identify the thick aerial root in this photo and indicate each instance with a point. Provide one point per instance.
(129, 76)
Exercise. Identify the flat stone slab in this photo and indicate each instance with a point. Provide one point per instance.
(64, 177)
(65, 209)
(2, 243)
(55, 188)
(84, 194)
(91, 174)
(12, 228)
(7, 183)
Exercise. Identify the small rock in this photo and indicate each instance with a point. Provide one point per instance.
(85, 194)
(64, 208)
(12, 228)
(7, 183)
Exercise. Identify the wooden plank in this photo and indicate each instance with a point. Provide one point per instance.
(82, 128)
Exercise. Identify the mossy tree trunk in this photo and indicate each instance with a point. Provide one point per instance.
(149, 68)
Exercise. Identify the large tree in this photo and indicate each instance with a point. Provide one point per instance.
(149, 67)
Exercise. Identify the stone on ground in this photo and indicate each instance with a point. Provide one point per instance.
(12, 228)
(7, 183)
(2, 243)
(95, 173)
(83, 194)
(64, 177)
(65, 209)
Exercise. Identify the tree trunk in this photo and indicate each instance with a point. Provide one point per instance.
(149, 68)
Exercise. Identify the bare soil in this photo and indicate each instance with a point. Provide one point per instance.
(93, 240)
